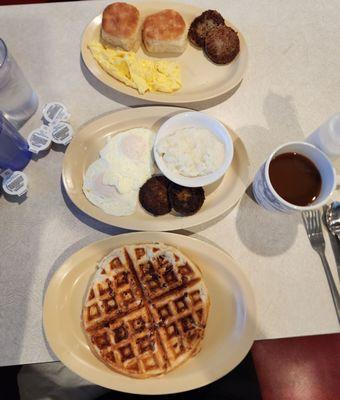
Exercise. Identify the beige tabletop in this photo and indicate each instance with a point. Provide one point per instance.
(291, 86)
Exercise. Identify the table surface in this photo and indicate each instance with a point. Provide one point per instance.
(291, 86)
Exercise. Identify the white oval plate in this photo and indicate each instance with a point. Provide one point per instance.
(229, 333)
(201, 78)
(90, 138)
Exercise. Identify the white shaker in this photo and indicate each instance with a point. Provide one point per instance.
(327, 137)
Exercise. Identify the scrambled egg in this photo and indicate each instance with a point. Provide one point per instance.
(141, 74)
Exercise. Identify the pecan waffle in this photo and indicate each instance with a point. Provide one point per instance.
(146, 310)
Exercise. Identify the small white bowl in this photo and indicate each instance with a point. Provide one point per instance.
(193, 119)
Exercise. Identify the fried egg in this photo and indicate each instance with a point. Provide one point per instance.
(129, 156)
(112, 182)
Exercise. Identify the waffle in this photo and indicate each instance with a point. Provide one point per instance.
(146, 310)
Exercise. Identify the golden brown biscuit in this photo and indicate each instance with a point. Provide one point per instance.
(164, 32)
(121, 25)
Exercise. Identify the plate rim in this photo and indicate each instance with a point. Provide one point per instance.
(153, 97)
(176, 224)
(241, 278)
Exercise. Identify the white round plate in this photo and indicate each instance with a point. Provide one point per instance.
(90, 138)
(229, 333)
(201, 78)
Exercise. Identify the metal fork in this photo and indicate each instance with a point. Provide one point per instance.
(312, 222)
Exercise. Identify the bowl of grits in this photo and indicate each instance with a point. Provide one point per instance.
(193, 149)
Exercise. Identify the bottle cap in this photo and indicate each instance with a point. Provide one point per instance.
(5, 173)
(55, 112)
(40, 139)
(15, 184)
(62, 133)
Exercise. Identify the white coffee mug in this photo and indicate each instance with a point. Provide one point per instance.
(266, 195)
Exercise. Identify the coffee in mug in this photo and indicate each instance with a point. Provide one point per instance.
(297, 176)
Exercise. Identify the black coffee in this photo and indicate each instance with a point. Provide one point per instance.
(295, 178)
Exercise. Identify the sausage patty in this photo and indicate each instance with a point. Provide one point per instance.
(222, 44)
(202, 24)
(186, 200)
(153, 195)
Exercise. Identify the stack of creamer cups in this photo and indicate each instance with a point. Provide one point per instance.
(55, 129)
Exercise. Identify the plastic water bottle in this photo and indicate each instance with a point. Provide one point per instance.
(327, 137)
(17, 99)
(14, 153)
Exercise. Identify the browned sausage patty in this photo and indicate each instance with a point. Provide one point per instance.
(186, 200)
(222, 44)
(153, 195)
(201, 25)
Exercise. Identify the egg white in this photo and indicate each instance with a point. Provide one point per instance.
(129, 156)
(104, 196)
(112, 182)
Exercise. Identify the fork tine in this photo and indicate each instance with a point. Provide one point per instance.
(310, 221)
(305, 218)
(313, 220)
(316, 218)
(319, 225)
(320, 219)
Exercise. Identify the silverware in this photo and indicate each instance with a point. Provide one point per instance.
(333, 218)
(332, 221)
(312, 222)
